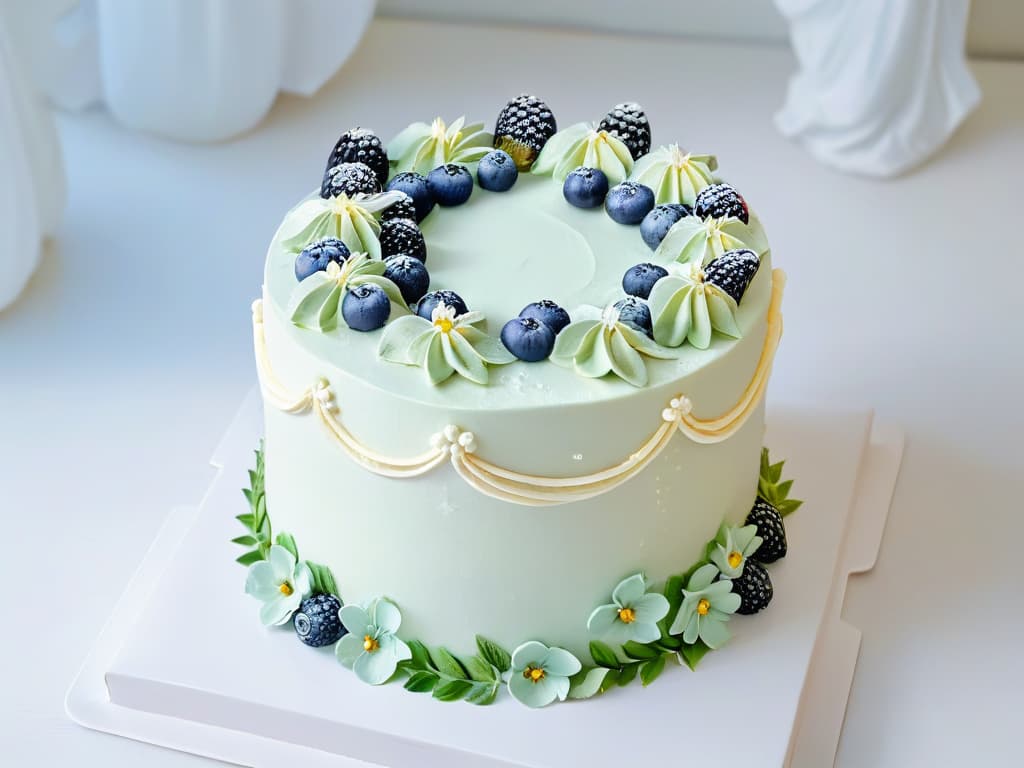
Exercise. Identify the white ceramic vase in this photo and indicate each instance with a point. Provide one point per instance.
(882, 84)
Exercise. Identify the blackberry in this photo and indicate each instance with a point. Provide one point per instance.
(349, 179)
(523, 128)
(754, 587)
(402, 236)
(733, 271)
(770, 528)
(719, 201)
(317, 623)
(361, 146)
(628, 123)
(403, 209)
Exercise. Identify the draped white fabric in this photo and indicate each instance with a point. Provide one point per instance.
(881, 85)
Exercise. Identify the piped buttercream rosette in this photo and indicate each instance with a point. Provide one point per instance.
(584, 145)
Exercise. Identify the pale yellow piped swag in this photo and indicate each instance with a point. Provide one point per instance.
(455, 445)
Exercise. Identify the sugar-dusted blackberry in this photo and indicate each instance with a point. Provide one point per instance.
(403, 209)
(317, 622)
(402, 236)
(719, 201)
(523, 128)
(361, 146)
(628, 123)
(733, 271)
(770, 528)
(349, 179)
(754, 586)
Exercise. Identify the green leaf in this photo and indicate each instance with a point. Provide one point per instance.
(481, 671)
(638, 651)
(420, 656)
(775, 472)
(287, 541)
(494, 654)
(483, 693)
(603, 655)
(692, 654)
(248, 520)
(453, 690)
(782, 490)
(447, 664)
(247, 492)
(323, 579)
(245, 541)
(612, 679)
(250, 557)
(650, 670)
(627, 674)
(789, 506)
(674, 594)
(421, 682)
(669, 643)
(587, 682)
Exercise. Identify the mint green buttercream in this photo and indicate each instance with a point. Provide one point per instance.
(444, 345)
(674, 175)
(423, 147)
(316, 301)
(685, 308)
(583, 145)
(350, 219)
(695, 240)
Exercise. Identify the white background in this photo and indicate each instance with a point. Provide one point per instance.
(122, 364)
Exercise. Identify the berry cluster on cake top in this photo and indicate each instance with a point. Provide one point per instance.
(361, 258)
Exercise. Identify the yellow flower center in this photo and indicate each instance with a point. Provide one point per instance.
(370, 644)
(627, 615)
(533, 674)
(735, 558)
(444, 324)
(286, 589)
(703, 606)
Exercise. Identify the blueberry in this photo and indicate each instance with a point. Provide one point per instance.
(549, 313)
(409, 274)
(640, 279)
(402, 236)
(497, 171)
(659, 221)
(528, 339)
(635, 314)
(317, 622)
(629, 202)
(366, 307)
(425, 308)
(585, 187)
(450, 184)
(415, 186)
(316, 256)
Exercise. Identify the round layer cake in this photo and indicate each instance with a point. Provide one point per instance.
(509, 509)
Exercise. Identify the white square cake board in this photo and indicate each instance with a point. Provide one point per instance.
(185, 664)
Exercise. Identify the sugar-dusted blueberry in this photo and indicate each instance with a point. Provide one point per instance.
(660, 220)
(450, 184)
(415, 186)
(640, 279)
(635, 313)
(585, 187)
(402, 236)
(528, 339)
(409, 274)
(629, 202)
(496, 171)
(366, 307)
(317, 622)
(549, 313)
(349, 179)
(316, 256)
(426, 305)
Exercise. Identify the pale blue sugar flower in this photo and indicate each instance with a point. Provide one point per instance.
(707, 606)
(732, 546)
(371, 648)
(541, 674)
(280, 583)
(633, 614)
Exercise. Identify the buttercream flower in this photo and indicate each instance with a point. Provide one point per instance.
(633, 614)
(541, 674)
(707, 606)
(371, 648)
(733, 545)
(280, 583)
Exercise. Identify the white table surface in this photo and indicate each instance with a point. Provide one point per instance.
(121, 365)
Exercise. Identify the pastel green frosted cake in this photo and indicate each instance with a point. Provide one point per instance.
(514, 409)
